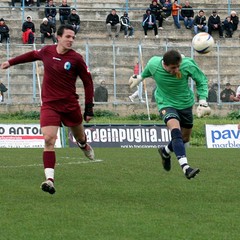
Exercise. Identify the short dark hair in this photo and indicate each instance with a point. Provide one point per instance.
(63, 27)
(172, 57)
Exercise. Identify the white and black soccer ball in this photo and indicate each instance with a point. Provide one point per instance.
(203, 42)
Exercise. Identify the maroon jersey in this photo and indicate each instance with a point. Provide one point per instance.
(60, 73)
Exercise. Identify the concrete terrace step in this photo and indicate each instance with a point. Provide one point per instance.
(96, 30)
(100, 9)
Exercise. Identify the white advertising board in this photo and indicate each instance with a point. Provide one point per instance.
(125, 136)
(223, 136)
(23, 136)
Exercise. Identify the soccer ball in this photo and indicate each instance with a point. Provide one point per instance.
(202, 42)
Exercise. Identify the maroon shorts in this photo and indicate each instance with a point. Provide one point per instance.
(58, 112)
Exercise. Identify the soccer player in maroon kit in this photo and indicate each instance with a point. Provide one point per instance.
(62, 66)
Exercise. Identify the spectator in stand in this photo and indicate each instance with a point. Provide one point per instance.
(64, 11)
(236, 97)
(74, 20)
(212, 93)
(38, 3)
(187, 15)
(3, 89)
(50, 12)
(149, 22)
(200, 23)
(47, 29)
(175, 13)
(215, 24)
(13, 4)
(227, 94)
(28, 29)
(138, 92)
(167, 9)
(28, 3)
(156, 9)
(234, 20)
(238, 92)
(228, 27)
(101, 92)
(112, 22)
(4, 31)
(126, 26)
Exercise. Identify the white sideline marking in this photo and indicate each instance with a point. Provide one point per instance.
(57, 164)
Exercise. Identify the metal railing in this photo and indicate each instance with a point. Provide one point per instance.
(114, 63)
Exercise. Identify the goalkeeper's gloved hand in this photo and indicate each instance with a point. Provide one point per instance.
(134, 80)
(88, 112)
(203, 109)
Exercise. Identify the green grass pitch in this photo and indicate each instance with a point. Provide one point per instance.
(125, 196)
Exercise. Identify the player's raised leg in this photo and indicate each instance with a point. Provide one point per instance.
(179, 149)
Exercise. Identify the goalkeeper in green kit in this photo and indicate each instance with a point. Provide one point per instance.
(175, 101)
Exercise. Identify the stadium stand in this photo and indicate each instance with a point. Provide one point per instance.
(93, 43)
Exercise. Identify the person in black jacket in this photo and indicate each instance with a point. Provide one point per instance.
(227, 94)
(28, 29)
(74, 20)
(215, 24)
(234, 20)
(101, 92)
(212, 93)
(28, 24)
(4, 31)
(64, 11)
(200, 23)
(187, 15)
(47, 30)
(149, 22)
(50, 12)
(112, 22)
(156, 9)
(228, 27)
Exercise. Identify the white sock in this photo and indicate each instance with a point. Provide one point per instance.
(49, 173)
(183, 163)
(185, 168)
(167, 150)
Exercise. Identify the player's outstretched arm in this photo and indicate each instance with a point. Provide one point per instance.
(5, 65)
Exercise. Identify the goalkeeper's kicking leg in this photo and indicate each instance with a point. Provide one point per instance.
(180, 135)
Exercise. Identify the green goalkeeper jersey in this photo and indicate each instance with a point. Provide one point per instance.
(172, 91)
